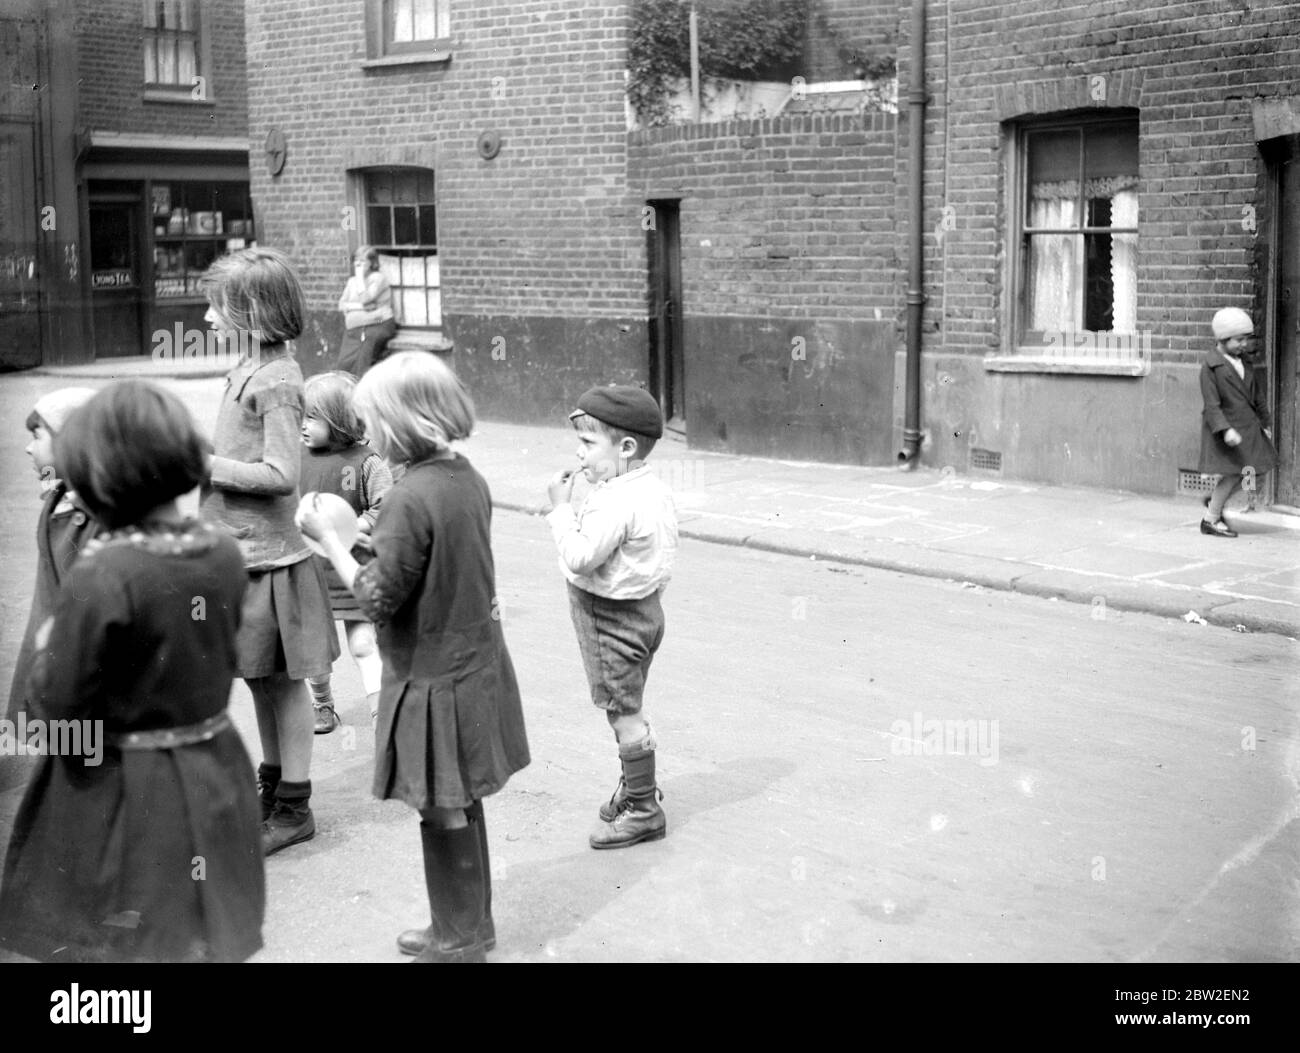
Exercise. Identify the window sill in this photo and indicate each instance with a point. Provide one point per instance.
(183, 96)
(1115, 366)
(420, 340)
(416, 58)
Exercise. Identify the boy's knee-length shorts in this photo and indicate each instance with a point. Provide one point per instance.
(618, 640)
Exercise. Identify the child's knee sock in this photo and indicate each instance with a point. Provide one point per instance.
(321, 695)
(638, 761)
(293, 801)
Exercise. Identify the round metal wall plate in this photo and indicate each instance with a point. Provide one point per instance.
(276, 151)
(489, 145)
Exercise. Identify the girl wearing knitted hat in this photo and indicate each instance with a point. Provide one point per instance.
(1235, 424)
(64, 526)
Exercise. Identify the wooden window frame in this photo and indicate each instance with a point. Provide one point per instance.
(178, 92)
(382, 50)
(1074, 350)
(360, 179)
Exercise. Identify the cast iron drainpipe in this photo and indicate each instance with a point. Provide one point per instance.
(911, 451)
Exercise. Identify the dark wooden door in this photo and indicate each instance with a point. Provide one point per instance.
(667, 358)
(20, 328)
(1286, 363)
(116, 285)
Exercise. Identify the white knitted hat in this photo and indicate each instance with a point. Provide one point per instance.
(56, 407)
(1230, 322)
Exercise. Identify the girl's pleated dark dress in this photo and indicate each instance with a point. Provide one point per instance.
(154, 853)
(451, 725)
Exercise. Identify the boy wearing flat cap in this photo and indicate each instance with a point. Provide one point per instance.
(1235, 423)
(617, 554)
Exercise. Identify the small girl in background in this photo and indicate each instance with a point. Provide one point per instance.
(451, 727)
(338, 461)
(140, 841)
(1236, 440)
(64, 527)
(287, 633)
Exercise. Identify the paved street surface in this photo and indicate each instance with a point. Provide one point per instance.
(858, 764)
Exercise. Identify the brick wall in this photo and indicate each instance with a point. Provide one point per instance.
(787, 215)
(111, 65)
(541, 241)
(1192, 70)
(786, 235)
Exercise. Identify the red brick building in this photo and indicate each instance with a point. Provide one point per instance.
(124, 152)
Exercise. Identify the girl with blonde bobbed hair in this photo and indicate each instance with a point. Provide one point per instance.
(451, 726)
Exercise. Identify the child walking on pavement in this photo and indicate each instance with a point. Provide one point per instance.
(451, 727)
(336, 460)
(1235, 435)
(287, 633)
(140, 842)
(617, 554)
(64, 527)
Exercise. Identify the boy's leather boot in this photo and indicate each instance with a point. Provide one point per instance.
(611, 809)
(453, 876)
(642, 819)
(292, 821)
(268, 778)
(413, 941)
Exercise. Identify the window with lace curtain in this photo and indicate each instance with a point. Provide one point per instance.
(1076, 249)
(171, 43)
(401, 222)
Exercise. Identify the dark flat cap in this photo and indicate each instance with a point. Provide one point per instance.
(623, 406)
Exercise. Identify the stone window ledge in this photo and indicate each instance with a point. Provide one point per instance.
(181, 96)
(1117, 366)
(420, 340)
(418, 58)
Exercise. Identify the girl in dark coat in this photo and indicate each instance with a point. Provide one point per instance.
(142, 842)
(62, 530)
(1235, 436)
(451, 728)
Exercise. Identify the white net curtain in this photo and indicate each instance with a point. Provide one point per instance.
(1080, 223)
(1055, 260)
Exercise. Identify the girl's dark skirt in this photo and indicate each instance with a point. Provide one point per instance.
(287, 624)
(364, 346)
(154, 855)
(449, 741)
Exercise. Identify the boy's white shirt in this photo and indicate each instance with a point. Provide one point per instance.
(622, 544)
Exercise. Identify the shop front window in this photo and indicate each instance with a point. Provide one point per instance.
(193, 224)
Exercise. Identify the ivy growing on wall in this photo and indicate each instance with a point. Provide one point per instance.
(739, 39)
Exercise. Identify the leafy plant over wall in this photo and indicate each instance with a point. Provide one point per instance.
(739, 39)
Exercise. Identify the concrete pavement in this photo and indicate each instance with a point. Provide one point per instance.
(1108, 549)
